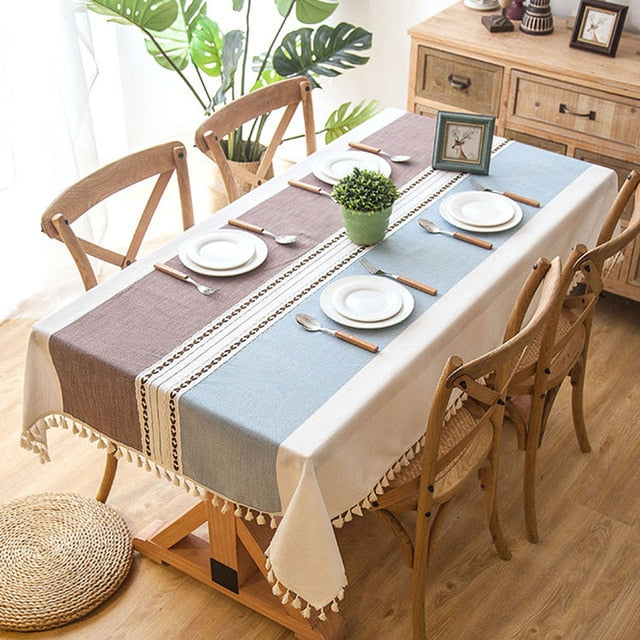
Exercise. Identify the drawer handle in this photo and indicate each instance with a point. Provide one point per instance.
(459, 82)
(564, 109)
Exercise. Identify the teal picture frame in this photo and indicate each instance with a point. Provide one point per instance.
(463, 142)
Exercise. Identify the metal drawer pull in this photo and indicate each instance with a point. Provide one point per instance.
(459, 82)
(591, 115)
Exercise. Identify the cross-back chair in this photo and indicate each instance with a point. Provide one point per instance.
(462, 439)
(162, 161)
(210, 134)
(562, 352)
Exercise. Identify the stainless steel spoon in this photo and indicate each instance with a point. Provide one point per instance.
(206, 291)
(311, 324)
(366, 147)
(429, 226)
(241, 224)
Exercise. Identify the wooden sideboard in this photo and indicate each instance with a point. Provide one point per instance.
(541, 91)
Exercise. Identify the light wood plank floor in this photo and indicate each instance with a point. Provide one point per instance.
(582, 581)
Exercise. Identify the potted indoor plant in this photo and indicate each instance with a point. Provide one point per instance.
(366, 198)
(216, 66)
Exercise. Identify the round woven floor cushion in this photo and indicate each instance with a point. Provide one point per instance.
(61, 555)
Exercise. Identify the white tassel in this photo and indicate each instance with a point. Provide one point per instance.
(276, 589)
(357, 510)
(261, 519)
(322, 615)
(285, 597)
(338, 523)
(249, 515)
(307, 612)
(273, 524)
(225, 507)
(215, 502)
(334, 606)
(297, 604)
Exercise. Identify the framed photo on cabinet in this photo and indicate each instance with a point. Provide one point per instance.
(598, 26)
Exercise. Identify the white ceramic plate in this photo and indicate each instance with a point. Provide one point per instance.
(259, 256)
(481, 6)
(333, 168)
(482, 207)
(370, 300)
(222, 249)
(327, 305)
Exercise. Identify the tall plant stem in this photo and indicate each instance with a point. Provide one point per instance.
(275, 39)
(247, 23)
(175, 68)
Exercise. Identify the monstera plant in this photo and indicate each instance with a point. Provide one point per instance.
(215, 67)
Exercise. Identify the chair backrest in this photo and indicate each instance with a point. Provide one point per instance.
(592, 265)
(485, 379)
(288, 94)
(161, 161)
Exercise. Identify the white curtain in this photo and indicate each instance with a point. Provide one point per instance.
(46, 143)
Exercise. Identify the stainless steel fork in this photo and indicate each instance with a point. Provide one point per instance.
(205, 291)
(373, 270)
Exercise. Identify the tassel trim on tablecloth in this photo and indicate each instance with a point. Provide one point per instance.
(35, 440)
(384, 482)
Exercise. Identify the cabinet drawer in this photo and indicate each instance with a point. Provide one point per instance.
(463, 83)
(570, 109)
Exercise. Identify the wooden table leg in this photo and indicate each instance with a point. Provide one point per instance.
(232, 562)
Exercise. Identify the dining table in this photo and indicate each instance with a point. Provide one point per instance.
(283, 435)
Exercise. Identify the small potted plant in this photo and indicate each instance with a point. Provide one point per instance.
(366, 198)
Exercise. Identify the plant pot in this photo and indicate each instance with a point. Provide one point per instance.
(366, 227)
(219, 196)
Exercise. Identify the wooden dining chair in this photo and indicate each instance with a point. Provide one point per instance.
(562, 352)
(287, 94)
(462, 439)
(161, 162)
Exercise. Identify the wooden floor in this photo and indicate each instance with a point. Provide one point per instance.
(581, 582)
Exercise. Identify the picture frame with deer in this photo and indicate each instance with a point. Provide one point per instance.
(598, 26)
(463, 142)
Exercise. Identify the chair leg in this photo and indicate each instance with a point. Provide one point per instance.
(399, 532)
(577, 406)
(488, 482)
(110, 468)
(426, 526)
(530, 517)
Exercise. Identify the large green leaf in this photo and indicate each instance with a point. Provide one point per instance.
(206, 46)
(313, 11)
(232, 47)
(324, 52)
(341, 121)
(176, 40)
(153, 15)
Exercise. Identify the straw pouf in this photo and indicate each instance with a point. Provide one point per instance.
(61, 555)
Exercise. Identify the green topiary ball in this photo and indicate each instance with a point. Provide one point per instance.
(365, 190)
